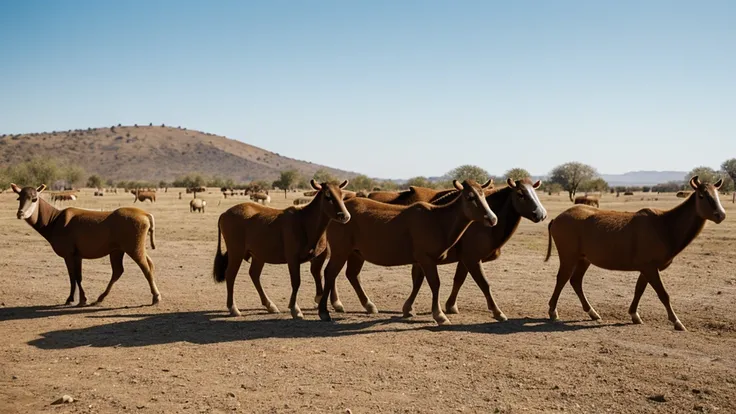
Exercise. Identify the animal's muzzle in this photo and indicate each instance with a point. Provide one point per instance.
(20, 214)
(719, 217)
(491, 220)
(343, 217)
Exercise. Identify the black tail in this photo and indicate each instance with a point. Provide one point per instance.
(220, 266)
(549, 241)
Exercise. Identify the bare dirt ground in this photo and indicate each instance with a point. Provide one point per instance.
(186, 355)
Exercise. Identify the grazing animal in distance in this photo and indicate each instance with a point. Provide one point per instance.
(587, 200)
(261, 198)
(646, 241)
(77, 234)
(143, 196)
(628, 193)
(395, 235)
(264, 234)
(197, 204)
(302, 200)
(683, 194)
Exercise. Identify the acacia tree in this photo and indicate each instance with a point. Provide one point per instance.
(705, 174)
(323, 176)
(570, 175)
(94, 181)
(34, 172)
(361, 182)
(4, 180)
(517, 174)
(419, 182)
(469, 172)
(596, 184)
(729, 167)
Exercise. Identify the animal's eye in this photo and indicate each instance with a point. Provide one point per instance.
(328, 196)
(34, 199)
(701, 195)
(471, 196)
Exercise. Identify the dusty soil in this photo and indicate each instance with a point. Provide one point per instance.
(187, 355)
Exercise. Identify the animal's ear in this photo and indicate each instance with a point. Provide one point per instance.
(537, 184)
(315, 185)
(510, 183)
(694, 182)
(718, 183)
(458, 185)
(15, 188)
(41, 188)
(343, 184)
(488, 183)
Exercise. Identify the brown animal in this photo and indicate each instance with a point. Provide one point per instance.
(395, 235)
(143, 196)
(196, 190)
(63, 197)
(268, 235)
(197, 204)
(587, 200)
(310, 193)
(646, 241)
(261, 198)
(628, 193)
(683, 194)
(412, 195)
(302, 200)
(77, 234)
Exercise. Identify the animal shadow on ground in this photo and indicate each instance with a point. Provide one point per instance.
(45, 311)
(207, 327)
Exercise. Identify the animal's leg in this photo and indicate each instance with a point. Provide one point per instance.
(641, 285)
(296, 281)
(145, 263)
(563, 275)
(355, 265)
(656, 281)
(316, 269)
(256, 267)
(72, 279)
(234, 260)
(116, 261)
(334, 267)
(576, 281)
(78, 274)
(461, 273)
(417, 278)
(433, 280)
(476, 271)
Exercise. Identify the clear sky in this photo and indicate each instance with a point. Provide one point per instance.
(389, 88)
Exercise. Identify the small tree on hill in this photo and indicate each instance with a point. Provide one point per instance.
(73, 175)
(4, 180)
(94, 181)
(323, 176)
(570, 175)
(287, 181)
(469, 172)
(34, 172)
(517, 174)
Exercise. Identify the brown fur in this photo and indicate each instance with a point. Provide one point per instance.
(683, 194)
(587, 200)
(143, 196)
(197, 204)
(395, 235)
(302, 200)
(646, 241)
(268, 235)
(77, 234)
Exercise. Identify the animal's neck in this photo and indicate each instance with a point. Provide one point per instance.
(314, 220)
(43, 218)
(452, 222)
(508, 218)
(683, 224)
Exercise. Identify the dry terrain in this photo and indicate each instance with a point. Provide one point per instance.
(187, 356)
(154, 153)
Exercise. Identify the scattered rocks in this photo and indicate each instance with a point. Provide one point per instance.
(657, 398)
(231, 394)
(65, 399)
(15, 377)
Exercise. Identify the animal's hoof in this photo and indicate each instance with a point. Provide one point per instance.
(409, 312)
(234, 311)
(325, 317)
(441, 319)
(370, 307)
(156, 300)
(337, 306)
(82, 303)
(636, 319)
(553, 315)
(679, 326)
(69, 301)
(296, 313)
(594, 315)
(452, 309)
(500, 317)
(271, 308)
(317, 299)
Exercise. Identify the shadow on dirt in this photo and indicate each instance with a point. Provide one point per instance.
(207, 327)
(46, 311)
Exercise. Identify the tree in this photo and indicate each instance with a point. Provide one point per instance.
(705, 174)
(361, 182)
(323, 176)
(110, 183)
(570, 175)
(73, 175)
(552, 188)
(469, 172)
(517, 174)
(34, 172)
(419, 182)
(287, 180)
(4, 180)
(94, 181)
(729, 167)
(596, 184)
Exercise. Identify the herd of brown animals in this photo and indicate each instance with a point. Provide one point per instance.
(422, 227)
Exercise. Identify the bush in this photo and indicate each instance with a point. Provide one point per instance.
(34, 172)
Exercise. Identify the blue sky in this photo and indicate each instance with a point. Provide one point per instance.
(389, 88)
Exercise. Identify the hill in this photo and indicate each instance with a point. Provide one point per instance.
(154, 153)
(633, 178)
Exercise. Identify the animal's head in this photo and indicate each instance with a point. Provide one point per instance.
(474, 204)
(28, 200)
(332, 200)
(707, 204)
(525, 200)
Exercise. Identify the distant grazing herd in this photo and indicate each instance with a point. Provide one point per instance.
(466, 225)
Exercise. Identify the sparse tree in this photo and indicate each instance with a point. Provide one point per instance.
(361, 182)
(4, 180)
(94, 181)
(570, 175)
(163, 184)
(729, 167)
(287, 180)
(596, 184)
(73, 175)
(469, 172)
(517, 174)
(34, 172)
(705, 174)
(323, 176)
(551, 187)
(419, 182)
(110, 183)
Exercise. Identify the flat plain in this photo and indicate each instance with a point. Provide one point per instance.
(186, 355)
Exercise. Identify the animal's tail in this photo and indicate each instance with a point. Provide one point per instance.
(220, 266)
(152, 230)
(549, 241)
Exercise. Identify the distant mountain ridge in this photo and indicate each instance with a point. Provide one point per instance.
(631, 178)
